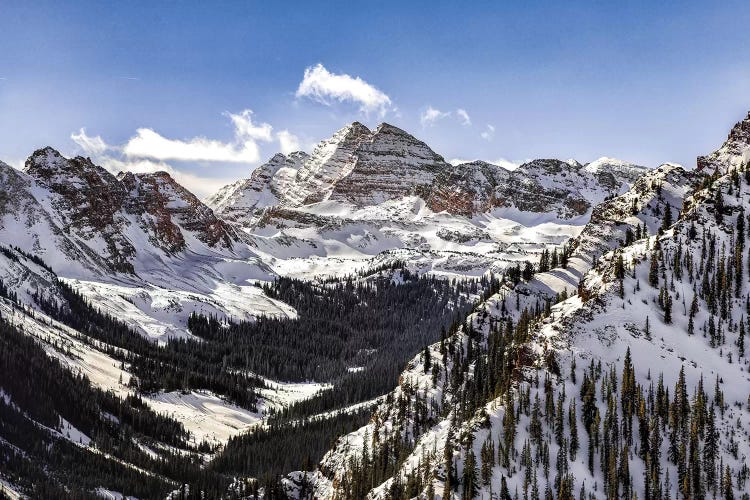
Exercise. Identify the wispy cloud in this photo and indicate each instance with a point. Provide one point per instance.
(323, 86)
(288, 142)
(148, 143)
(91, 145)
(489, 133)
(148, 151)
(110, 157)
(463, 116)
(431, 115)
(508, 164)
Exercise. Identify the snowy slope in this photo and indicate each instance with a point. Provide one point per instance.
(363, 196)
(138, 246)
(206, 415)
(611, 314)
(606, 231)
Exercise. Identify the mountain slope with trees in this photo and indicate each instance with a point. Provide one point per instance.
(633, 384)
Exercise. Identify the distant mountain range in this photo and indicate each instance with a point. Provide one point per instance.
(603, 354)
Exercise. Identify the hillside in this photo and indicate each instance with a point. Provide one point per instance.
(627, 384)
(606, 362)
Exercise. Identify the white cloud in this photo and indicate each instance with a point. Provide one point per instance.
(288, 142)
(245, 128)
(148, 143)
(91, 145)
(201, 187)
(97, 149)
(115, 159)
(16, 163)
(489, 133)
(323, 86)
(464, 116)
(432, 115)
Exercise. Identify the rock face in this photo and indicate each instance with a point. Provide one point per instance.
(138, 246)
(166, 210)
(733, 153)
(99, 221)
(267, 186)
(362, 168)
(389, 165)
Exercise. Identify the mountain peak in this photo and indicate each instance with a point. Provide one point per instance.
(741, 130)
(388, 128)
(733, 153)
(354, 128)
(50, 167)
(44, 156)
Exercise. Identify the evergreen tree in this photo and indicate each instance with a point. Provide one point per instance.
(741, 338)
(573, 424)
(653, 273)
(666, 222)
(469, 481)
(619, 267)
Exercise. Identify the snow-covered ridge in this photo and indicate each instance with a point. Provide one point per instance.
(734, 153)
(140, 247)
(631, 263)
(366, 168)
(363, 195)
(635, 208)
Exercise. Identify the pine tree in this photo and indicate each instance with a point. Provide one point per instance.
(619, 267)
(488, 461)
(505, 494)
(668, 309)
(719, 206)
(728, 490)
(559, 422)
(741, 338)
(693, 311)
(469, 479)
(573, 424)
(666, 222)
(653, 273)
(710, 449)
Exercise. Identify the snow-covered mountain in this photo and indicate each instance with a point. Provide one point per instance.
(143, 247)
(364, 168)
(363, 197)
(139, 246)
(735, 152)
(612, 367)
(621, 373)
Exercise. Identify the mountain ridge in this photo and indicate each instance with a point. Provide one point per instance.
(673, 236)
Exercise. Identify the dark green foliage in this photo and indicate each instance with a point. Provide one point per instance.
(285, 446)
(47, 392)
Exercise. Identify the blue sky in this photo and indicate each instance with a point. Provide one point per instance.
(171, 85)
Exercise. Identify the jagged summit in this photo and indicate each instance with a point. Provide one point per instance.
(365, 168)
(104, 222)
(734, 152)
(48, 165)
